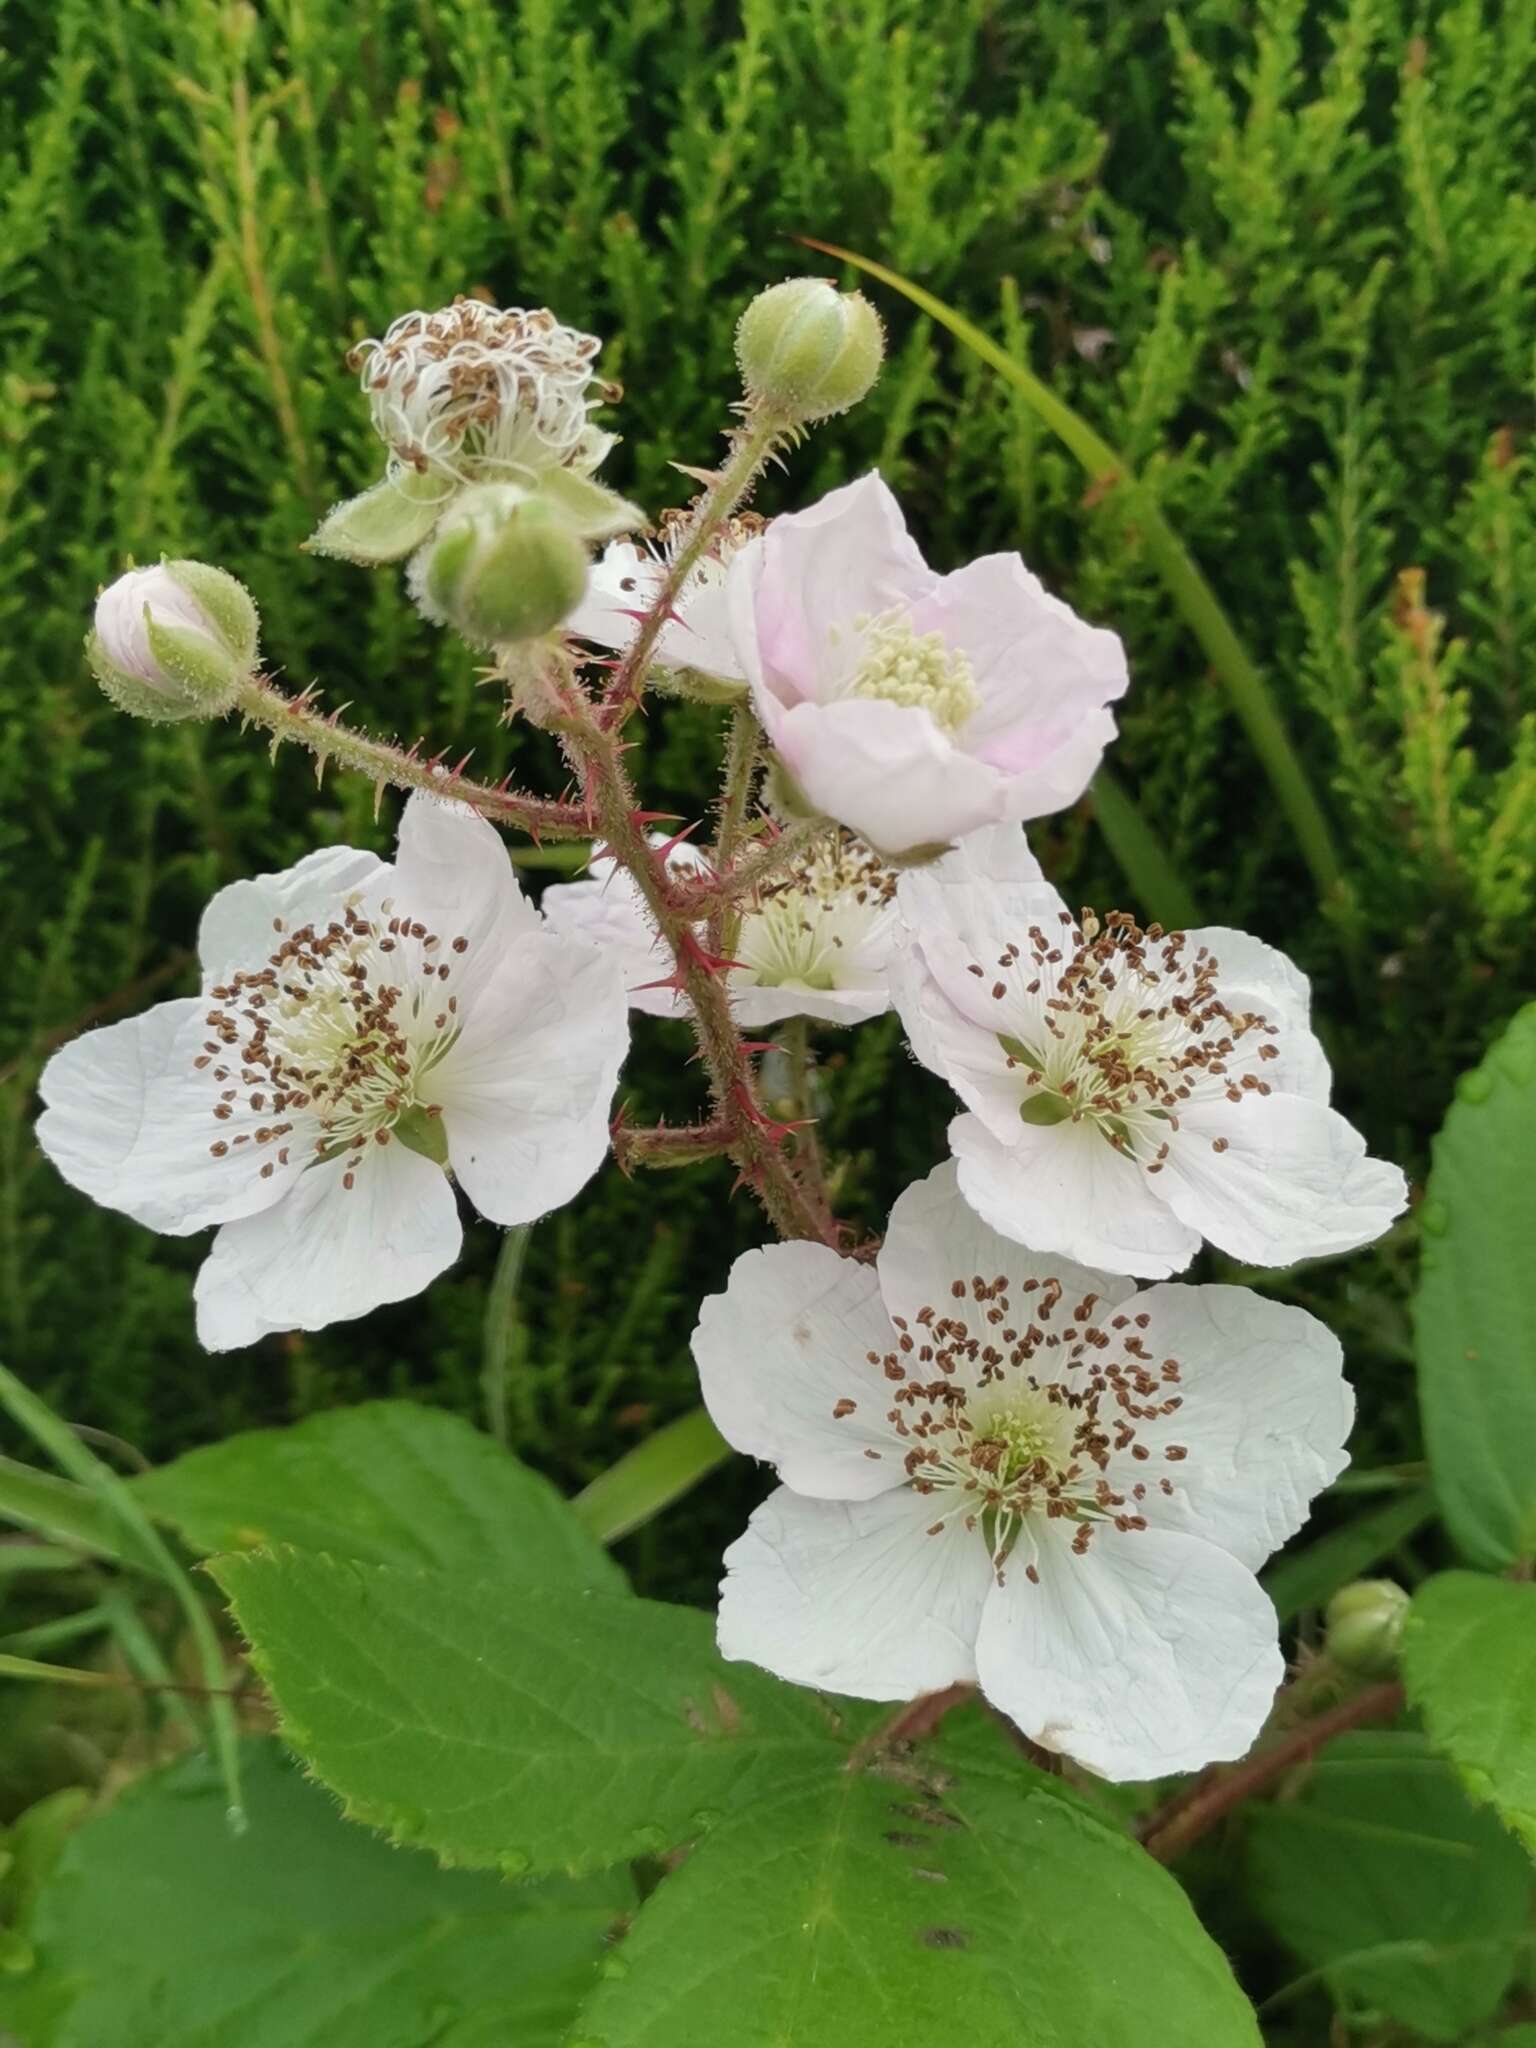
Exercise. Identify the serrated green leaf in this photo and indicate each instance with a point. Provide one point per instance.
(389, 1482)
(160, 1925)
(1381, 1876)
(898, 1909)
(1475, 1312)
(509, 1725)
(1469, 1662)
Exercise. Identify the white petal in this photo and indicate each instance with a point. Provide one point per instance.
(1064, 1188)
(453, 874)
(1264, 1415)
(787, 1341)
(1062, 769)
(1254, 976)
(327, 1253)
(130, 1122)
(855, 1596)
(1292, 1182)
(527, 1088)
(237, 927)
(949, 1042)
(935, 1237)
(887, 772)
(608, 912)
(756, 1005)
(1152, 1653)
(621, 583)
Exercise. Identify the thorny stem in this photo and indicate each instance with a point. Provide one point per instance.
(755, 1141)
(1189, 1814)
(706, 896)
(796, 1039)
(659, 1145)
(741, 757)
(297, 718)
(751, 451)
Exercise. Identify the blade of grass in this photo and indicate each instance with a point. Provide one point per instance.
(1197, 602)
(82, 1465)
(63, 1510)
(1141, 854)
(501, 1329)
(652, 1476)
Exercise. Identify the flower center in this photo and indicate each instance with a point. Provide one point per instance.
(475, 393)
(336, 1037)
(919, 670)
(802, 929)
(1125, 1026)
(1048, 1410)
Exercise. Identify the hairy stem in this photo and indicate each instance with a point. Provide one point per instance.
(769, 858)
(298, 718)
(741, 758)
(754, 1140)
(1170, 1830)
(751, 449)
(661, 1145)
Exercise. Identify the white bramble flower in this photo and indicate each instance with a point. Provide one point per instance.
(915, 708)
(364, 1030)
(482, 394)
(816, 942)
(1003, 1469)
(1128, 1092)
(625, 582)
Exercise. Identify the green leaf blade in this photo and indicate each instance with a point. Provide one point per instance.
(512, 1726)
(1475, 1311)
(389, 1482)
(1469, 1662)
(158, 1924)
(861, 1910)
(1380, 1876)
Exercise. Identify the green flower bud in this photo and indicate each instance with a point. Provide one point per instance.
(503, 566)
(807, 350)
(1365, 1626)
(174, 641)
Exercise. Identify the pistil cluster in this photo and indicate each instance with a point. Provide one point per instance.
(1011, 1414)
(334, 1039)
(477, 393)
(1125, 1026)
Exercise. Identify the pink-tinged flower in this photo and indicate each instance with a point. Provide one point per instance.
(1127, 1093)
(1006, 1470)
(364, 1032)
(816, 942)
(913, 707)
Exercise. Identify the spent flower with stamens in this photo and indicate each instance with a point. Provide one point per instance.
(816, 941)
(1128, 1091)
(913, 707)
(364, 1031)
(1003, 1469)
(476, 394)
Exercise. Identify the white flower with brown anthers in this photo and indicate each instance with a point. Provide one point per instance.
(817, 941)
(1002, 1469)
(626, 580)
(364, 1031)
(1128, 1092)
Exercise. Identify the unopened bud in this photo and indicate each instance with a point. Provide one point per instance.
(174, 641)
(503, 566)
(807, 350)
(1365, 1626)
